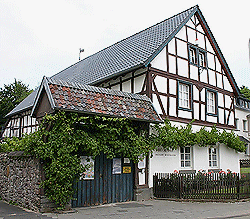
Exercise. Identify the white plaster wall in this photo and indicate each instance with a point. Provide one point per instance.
(200, 158)
(185, 114)
(163, 162)
(167, 162)
(182, 49)
(160, 61)
(126, 86)
(172, 106)
(203, 112)
(218, 65)
(209, 46)
(196, 111)
(182, 67)
(196, 93)
(203, 94)
(193, 72)
(156, 104)
(203, 76)
(219, 80)
(116, 87)
(212, 119)
(171, 47)
(228, 101)
(172, 86)
(182, 34)
(231, 119)
(191, 35)
(221, 116)
(190, 24)
(172, 64)
(210, 61)
(229, 159)
(201, 40)
(138, 82)
(199, 28)
(220, 99)
(227, 85)
(161, 84)
(212, 79)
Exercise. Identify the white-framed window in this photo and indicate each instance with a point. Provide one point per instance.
(213, 157)
(184, 97)
(202, 61)
(211, 102)
(237, 123)
(192, 55)
(186, 156)
(244, 125)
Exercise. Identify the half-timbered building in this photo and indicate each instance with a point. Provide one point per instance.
(178, 64)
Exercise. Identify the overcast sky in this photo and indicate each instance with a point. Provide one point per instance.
(40, 38)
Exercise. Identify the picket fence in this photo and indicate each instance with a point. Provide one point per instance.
(201, 185)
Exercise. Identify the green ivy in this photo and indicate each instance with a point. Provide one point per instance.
(171, 137)
(62, 137)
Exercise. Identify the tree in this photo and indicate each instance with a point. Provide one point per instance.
(10, 96)
(245, 92)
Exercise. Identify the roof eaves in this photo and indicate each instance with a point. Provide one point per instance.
(219, 51)
(105, 115)
(136, 67)
(171, 36)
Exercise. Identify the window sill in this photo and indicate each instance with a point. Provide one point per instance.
(185, 109)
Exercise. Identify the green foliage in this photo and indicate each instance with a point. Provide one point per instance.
(62, 137)
(10, 96)
(245, 92)
(170, 137)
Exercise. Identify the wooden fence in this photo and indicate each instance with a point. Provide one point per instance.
(201, 186)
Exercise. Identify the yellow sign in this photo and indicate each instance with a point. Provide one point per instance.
(126, 169)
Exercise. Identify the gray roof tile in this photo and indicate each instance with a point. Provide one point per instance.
(127, 54)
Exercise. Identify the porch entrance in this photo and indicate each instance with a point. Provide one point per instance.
(113, 181)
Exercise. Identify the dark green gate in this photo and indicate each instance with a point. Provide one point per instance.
(107, 186)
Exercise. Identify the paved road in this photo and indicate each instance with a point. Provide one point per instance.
(147, 209)
(12, 212)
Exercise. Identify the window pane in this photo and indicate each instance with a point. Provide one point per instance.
(182, 163)
(187, 163)
(187, 149)
(187, 156)
(210, 163)
(182, 150)
(182, 156)
(214, 163)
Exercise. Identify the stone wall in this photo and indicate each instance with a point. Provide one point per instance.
(20, 179)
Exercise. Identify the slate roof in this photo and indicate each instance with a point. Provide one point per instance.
(87, 99)
(131, 53)
(134, 52)
(26, 104)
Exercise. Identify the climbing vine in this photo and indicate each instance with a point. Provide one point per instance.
(62, 137)
(171, 137)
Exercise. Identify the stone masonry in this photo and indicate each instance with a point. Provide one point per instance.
(20, 180)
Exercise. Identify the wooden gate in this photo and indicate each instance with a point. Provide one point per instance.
(109, 185)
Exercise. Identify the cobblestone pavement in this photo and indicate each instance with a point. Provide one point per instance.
(153, 209)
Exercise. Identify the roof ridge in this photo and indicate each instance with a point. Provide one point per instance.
(125, 39)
